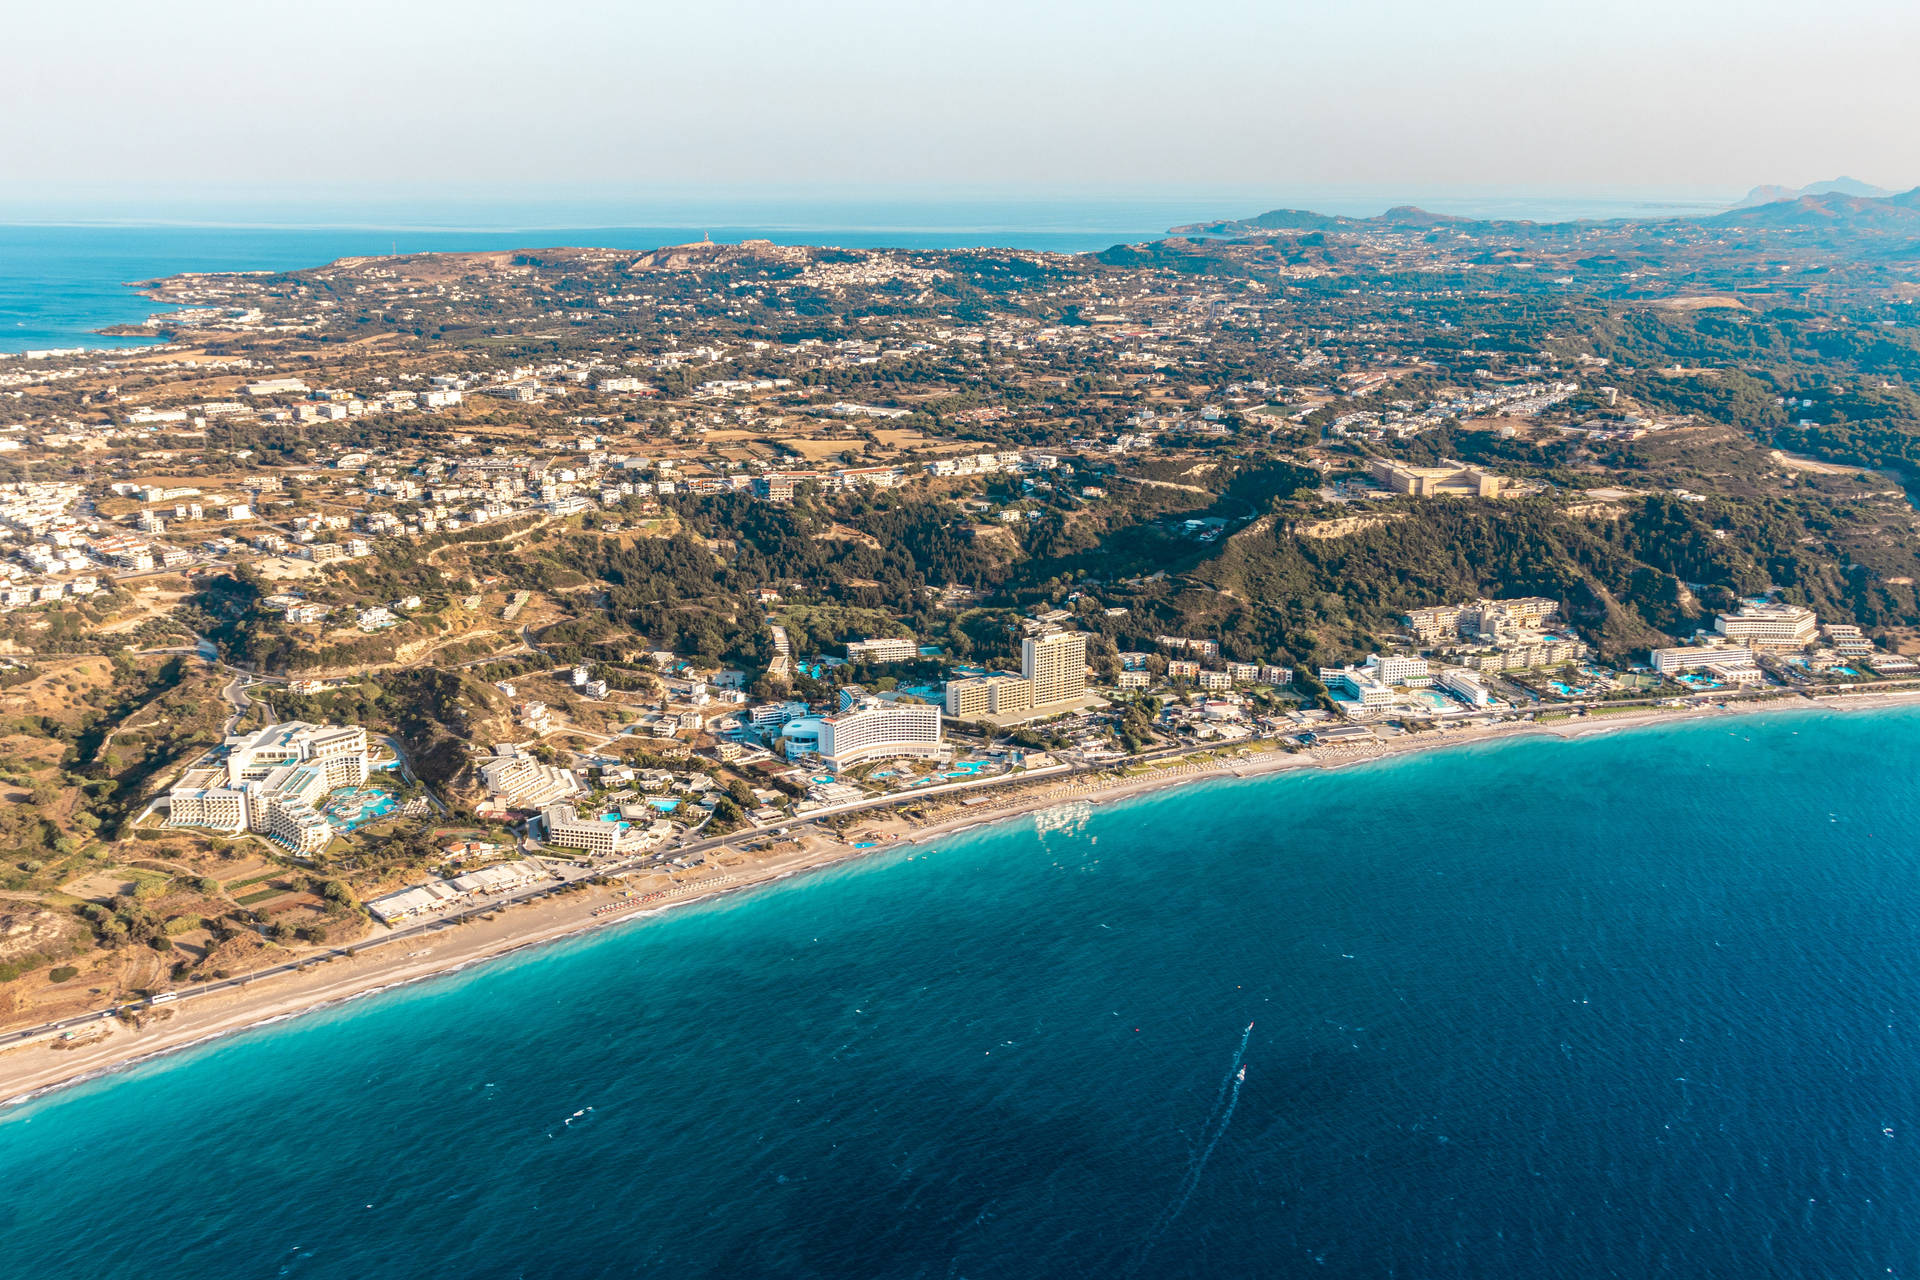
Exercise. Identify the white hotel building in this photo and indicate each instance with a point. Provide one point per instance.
(1769, 626)
(882, 649)
(1056, 665)
(271, 781)
(566, 829)
(874, 730)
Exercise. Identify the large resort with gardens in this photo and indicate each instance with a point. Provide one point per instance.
(275, 782)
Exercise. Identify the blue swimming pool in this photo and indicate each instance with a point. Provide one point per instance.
(353, 807)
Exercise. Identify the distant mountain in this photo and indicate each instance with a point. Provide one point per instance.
(1830, 211)
(1406, 215)
(1771, 194)
(1844, 205)
(1271, 220)
(1400, 217)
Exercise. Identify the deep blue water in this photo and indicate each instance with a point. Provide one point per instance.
(1639, 1005)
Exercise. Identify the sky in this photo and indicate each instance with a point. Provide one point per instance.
(510, 99)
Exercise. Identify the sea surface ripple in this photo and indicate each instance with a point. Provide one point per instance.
(1635, 1005)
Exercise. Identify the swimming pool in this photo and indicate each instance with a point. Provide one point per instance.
(352, 807)
(665, 806)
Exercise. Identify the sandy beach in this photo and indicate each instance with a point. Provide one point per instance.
(35, 1066)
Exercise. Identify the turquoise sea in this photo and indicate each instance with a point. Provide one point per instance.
(1635, 1005)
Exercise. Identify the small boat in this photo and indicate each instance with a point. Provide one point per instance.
(1242, 1077)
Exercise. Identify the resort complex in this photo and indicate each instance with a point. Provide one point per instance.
(1052, 680)
(271, 782)
(659, 569)
(871, 729)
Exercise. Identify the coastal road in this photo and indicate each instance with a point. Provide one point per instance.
(409, 933)
(564, 879)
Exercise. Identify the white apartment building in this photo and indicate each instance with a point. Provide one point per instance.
(1848, 641)
(766, 714)
(1399, 669)
(998, 695)
(521, 782)
(1465, 684)
(566, 829)
(191, 804)
(1686, 658)
(1360, 685)
(1480, 617)
(882, 649)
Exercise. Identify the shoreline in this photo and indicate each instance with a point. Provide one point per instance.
(34, 1068)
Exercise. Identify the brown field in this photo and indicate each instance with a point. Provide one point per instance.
(1703, 302)
(900, 438)
(813, 450)
(1796, 463)
(59, 690)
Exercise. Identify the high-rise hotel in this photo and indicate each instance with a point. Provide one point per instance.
(1055, 664)
(1053, 671)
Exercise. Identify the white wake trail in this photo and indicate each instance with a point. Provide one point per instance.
(1214, 1128)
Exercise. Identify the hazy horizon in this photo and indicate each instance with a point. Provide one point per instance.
(800, 211)
(126, 103)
